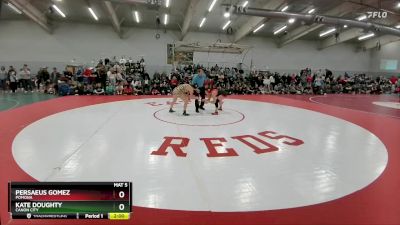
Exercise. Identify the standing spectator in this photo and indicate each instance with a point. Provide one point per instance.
(267, 84)
(25, 78)
(12, 75)
(67, 73)
(54, 76)
(112, 77)
(3, 79)
(102, 74)
(46, 78)
(43, 79)
(318, 85)
(272, 81)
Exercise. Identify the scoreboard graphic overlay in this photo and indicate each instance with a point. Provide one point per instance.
(70, 200)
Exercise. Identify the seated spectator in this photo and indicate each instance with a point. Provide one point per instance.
(137, 86)
(307, 90)
(51, 90)
(88, 89)
(348, 89)
(299, 89)
(164, 88)
(87, 74)
(131, 78)
(79, 74)
(292, 89)
(155, 90)
(93, 77)
(73, 86)
(99, 90)
(394, 80)
(110, 89)
(127, 90)
(174, 82)
(146, 84)
(63, 88)
(80, 89)
(119, 88)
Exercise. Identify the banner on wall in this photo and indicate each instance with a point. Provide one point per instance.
(388, 64)
(178, 57)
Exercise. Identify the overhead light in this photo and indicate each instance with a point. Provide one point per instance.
(284, 8)
(258, 28)
(202, 22)
(327, 32)
(245, 4)
(280, 30)
(212, 5)
(226, 25)
(137, 17)
(365, 36)
(165, 19)
(362, 17)
(345, 26)
(311, 11)
(58, 10)
(398, 5)
(398, 26)
(93, 14)
(226, 14)
(14, 8)
(166, 3)
(291, 20)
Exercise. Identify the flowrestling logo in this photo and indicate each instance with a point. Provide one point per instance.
(377, 14)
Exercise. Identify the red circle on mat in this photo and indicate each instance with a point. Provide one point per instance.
(377, 203)
(242, 117)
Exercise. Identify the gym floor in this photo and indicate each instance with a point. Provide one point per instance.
(11, 101)
(263, 160)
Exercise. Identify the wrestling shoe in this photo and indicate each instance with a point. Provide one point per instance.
(220, 109)
(202, 108)
(171, 110)
(214, 113)
(185, 114)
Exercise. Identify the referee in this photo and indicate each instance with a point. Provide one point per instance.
(198, 81)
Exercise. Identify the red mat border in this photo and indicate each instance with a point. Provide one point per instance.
(378, 203)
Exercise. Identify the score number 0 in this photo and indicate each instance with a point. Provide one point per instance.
(121, 194)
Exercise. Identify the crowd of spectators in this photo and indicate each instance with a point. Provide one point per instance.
(126, 77)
